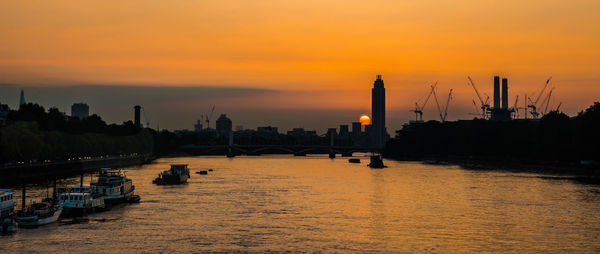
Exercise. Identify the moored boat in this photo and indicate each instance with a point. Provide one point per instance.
(354, 160)
(178, 174)
(38, 214)
(79, 200)
(114, 186)
(7, 211)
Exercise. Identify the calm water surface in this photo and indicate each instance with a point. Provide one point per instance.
(317, 204)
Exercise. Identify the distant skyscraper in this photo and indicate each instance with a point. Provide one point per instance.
(80, 110)
(136, 116)
(22, 100)
(356, 130)
(378, 131)
(224, 125)
(344, 130)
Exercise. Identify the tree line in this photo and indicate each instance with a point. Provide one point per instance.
(33, 134)
(555, 137)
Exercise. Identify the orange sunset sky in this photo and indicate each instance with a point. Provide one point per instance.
(314, 54)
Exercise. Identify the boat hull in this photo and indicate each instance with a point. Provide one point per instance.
(116, 199)
(77, 212)
(171, 179)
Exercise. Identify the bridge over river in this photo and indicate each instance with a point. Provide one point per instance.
(298, 150)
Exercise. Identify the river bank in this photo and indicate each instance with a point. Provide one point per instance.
(32, 172)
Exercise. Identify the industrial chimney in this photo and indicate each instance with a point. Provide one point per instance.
(136, 119)
(504, 93)
(496, 92)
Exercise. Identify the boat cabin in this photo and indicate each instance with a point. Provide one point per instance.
(7, 204)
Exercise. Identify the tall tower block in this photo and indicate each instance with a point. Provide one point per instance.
(496, 92)
(378, 113)
(136, 116)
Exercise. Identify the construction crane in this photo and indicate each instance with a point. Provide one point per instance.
(484, 104)
(443, 114)
(476, 109)
(546, 101)
(146, 118)
(533, 105)
(419, 109)
(208, 117)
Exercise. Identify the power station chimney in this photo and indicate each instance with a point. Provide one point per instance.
(504, 93)
(496, 92)
(136, 119)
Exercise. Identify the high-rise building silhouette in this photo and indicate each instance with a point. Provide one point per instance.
(224, 125)
(136, 120)
(378, 132)
(356, 130)
(80, 110)
(344, 130)
(22, 99)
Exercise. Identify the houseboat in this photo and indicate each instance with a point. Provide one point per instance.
(79, 200)
(178, 174)
(7, 211)
(114, 186)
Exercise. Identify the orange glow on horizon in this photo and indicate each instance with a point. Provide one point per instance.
(309, 47)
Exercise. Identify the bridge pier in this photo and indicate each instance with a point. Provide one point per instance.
(332, 155)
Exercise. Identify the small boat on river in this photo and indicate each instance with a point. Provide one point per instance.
(354, 160)
(178, 174)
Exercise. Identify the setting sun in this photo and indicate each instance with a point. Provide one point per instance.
(365, 120)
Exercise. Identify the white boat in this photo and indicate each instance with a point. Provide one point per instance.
(7, 211)
(114, 186)
(79, 200)
(38, 214)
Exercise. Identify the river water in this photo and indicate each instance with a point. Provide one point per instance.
(285, 203)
